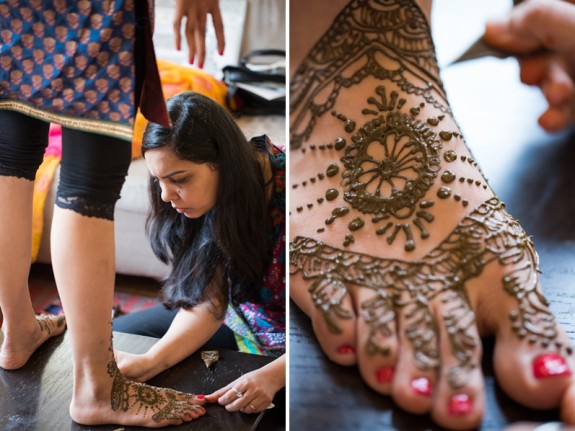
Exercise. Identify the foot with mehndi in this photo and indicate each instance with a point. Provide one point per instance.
(114, 399)
(20, 342)
(401, 254)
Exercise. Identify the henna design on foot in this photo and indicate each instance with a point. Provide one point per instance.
(488, 234)
(383, 172)
(142, 399)
(44, 322)
(363, 32)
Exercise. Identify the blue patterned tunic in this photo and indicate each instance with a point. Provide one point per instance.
(74, 62)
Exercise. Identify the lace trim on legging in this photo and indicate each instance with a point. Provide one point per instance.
(6, 171)
(86, 207)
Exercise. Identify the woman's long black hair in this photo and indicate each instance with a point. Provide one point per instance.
(221, 256)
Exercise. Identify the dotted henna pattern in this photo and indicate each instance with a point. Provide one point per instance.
(389, 158)
(488, 234)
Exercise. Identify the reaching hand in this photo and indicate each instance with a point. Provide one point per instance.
(134, 367)
(251, 393)
(195, 12)
(540, 24)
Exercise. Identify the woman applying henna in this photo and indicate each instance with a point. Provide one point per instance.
(218, 218)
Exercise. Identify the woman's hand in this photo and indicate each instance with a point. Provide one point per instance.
(135, 367)
(196, 12)
(253, 392)
(529, 27)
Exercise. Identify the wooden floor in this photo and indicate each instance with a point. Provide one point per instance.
(36, 397)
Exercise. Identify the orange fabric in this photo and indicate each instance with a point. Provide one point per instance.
(42, 183)
(175, 79)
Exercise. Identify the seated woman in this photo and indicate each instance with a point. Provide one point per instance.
(400, 253)
(218, 218)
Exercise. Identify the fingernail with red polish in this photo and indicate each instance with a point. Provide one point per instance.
(421, 386)
(200, 396)
(550, 365)
(460, 405)
(345, 349)
(384, 374)
(201, 65)
(221, 51)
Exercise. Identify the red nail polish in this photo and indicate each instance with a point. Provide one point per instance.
(460, 405)
(550, 365)
(384, 374)
(345, 349)
(221, 51)
(200, 396)
(421, 386)
(201, 65)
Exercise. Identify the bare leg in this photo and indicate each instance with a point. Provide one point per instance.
(23, 331)
(84, 267)
(401, 254)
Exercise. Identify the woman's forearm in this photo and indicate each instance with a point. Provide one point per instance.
(189, 330)
(276, 372)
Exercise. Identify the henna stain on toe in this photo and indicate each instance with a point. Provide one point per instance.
(487, 234)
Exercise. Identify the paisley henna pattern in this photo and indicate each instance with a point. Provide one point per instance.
(143, 399)
(488, 234)
(43, 321)
(365, 31)
(385, 168)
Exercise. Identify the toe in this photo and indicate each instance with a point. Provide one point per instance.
(418, 359)
(458, 401)
(532, 374)
(533, 358)
(567, 409)
(329, 306)
(376, 339)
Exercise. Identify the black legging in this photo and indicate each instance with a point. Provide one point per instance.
(93, 167)
(155, 321)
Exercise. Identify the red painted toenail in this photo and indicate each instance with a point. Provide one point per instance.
(421, 386)
(460, 405)
(345, 349)
(550, 365)
(384, 374)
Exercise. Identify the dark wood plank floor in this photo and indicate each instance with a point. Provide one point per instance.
(534, 173)
(37, 396)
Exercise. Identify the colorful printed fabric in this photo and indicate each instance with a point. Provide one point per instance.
(70, 62)
(42, 184)
(260, 328)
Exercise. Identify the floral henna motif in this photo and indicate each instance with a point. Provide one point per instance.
(394, 156)
(365, 32)
(488, 234)
(44, 322)
(143, 398)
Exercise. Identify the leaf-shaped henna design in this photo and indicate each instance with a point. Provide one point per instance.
(488, 234)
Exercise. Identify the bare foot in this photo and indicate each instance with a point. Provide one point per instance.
(23, 340)
(118, 400)
(401, 254)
